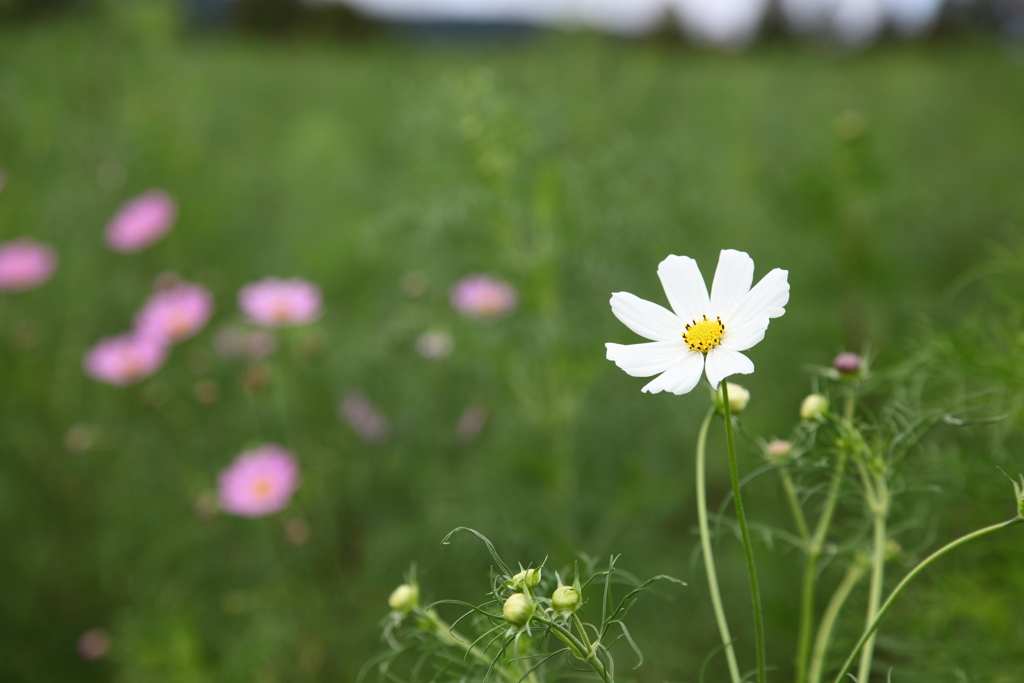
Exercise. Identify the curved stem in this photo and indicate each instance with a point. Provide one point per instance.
(828, 620)
(444, 633)
(794, 504)
(581, 650)
(870, 631)
(709, 558)
(748, 549)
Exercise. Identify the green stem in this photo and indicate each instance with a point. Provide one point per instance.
(748, 547)
(709, 558)
(880, 507)
(794, 504)
(828, 620)
(579, 649)
(870, 630)
(814, 549)
(443, 632)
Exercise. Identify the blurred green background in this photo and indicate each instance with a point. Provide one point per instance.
(568, 165)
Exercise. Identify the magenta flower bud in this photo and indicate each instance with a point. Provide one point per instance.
(259, 482)
(848, 363)
(480, 296)
(141, 222)
(175, 314)
(25, 264)
(124, 360)
(273, 302)
(93, 644)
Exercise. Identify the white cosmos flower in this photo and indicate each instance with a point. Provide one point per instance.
(704, 334)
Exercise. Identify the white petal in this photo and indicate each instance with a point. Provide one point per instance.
(685, 288)
(743, 337)
(645, 318)
(768, 297)
(681, 377)
(733, 276)
(644, 360)
(722, 363)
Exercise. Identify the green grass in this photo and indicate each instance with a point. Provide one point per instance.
(567, 165)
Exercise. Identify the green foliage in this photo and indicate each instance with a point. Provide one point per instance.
(568, 166)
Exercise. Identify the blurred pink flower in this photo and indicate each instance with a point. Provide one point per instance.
(364, 418)
(259, 482)
(93, 644)
(274, 302)
(25, 264)
(235, 341)
(124, 360)
(480, 296)
(141, 222)
(175, 314)
(471, 423)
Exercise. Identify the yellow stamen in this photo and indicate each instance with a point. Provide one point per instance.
(704, 335)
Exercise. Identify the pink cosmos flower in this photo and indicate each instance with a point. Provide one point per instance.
(141, 222)
(175, 314)
(25, 264)
(124, 360)
(480, 296)
(273, 302)
(259, 482)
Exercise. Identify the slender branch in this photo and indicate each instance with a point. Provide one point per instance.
(748, 548)
(799, 519)
(870, 630)
(709, 558)
(853, 576)
(814, 549)
(582, 651)
(880, 508)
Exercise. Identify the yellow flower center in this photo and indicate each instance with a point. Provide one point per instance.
(704, 335)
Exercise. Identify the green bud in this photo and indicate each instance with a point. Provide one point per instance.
(739, 397)
(566, 599)
(518, 609)
(893, 550)
(813, 407)
(404, 598)
(527, 578)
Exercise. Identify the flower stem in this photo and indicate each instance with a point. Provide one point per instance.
(582, 650)
(748, 548)
(444, 633)
(709, 558)
(880, 507)
(814, 548)
(828, 620)
(870, 630)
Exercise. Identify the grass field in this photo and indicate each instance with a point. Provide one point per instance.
(567, 165)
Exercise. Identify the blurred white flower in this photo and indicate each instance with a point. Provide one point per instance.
(434, 344)
(703, 334)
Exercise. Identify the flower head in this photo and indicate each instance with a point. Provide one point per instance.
(93, 644)
(259, 482)
(141, 222)
(175, 314)
(778, 449)
(813, 407)
(480, 296)
(739, 397)
(848, 364)
(404, 598)
(25, 264)
(274, 302)
(566, 600)
(124, 360)
(517, 609)
(701, 334)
